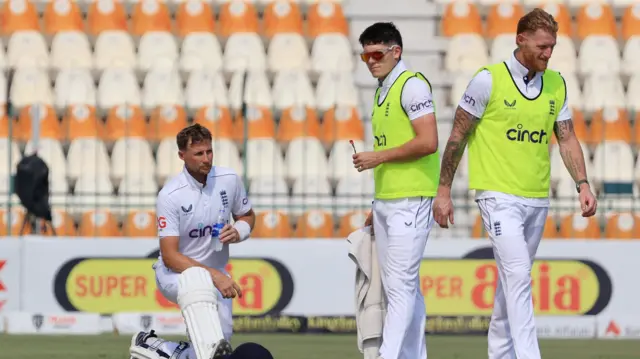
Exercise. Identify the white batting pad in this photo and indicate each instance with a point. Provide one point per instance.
(197, 298)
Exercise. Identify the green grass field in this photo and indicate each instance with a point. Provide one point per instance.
(306, 347)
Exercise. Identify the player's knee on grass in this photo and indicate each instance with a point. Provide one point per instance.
(251, 351)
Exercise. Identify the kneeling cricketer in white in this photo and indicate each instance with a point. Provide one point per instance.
(194, 209)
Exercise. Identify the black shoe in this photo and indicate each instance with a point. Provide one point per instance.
(222, 349)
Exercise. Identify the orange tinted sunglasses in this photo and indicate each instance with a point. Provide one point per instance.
(376, 55)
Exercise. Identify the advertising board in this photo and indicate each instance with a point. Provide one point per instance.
(308, 285)
(53, 323)
(10, 251)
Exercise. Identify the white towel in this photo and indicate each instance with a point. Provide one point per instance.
(369, 295)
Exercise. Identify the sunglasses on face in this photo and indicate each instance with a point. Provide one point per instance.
(375, 55)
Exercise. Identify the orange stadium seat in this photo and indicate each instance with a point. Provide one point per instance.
(5, 121)
(238, 16)
(150, 15)
(341, 123)
(297, 122)
(314, 224)
(562, 16)
(49, 124)
(351, 222)
(272, 224)
(631, 21)
(19, 15)
(260, 124)
(62, 15)
(550, 228)
(106, 15)
(282, 17)
(194, 16)
(460, 18)
(579, 126)
(610, 125)
(139, 224)
(575, 226)
(166, 121)
(217, 119)
(503, 18)
(14, 225)
(478, 230)
(622, 226)
(326, 18)
(62, 223)
(125, 121)
(595, 19)
(81, 121)
(636, 130)
(101, 223)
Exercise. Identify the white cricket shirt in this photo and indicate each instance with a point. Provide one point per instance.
(416, 96)
(476, 98)
(187, 209)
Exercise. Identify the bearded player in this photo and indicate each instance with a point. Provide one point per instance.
(506, 116)
(193, 212)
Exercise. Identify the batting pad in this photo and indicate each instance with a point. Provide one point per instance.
(198, 300)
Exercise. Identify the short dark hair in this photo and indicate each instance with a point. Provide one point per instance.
(381, 33)
(193, 134)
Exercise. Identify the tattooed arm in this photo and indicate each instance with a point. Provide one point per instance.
(470, 110)
(463, 126)
(573, 159)
(570, 150)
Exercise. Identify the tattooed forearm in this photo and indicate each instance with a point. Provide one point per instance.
(570, 150)
(563, 130)
(573, 159)
(463, 126)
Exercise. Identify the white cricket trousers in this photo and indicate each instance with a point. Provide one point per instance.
(401, 228)
(167, 282)
(515, 230)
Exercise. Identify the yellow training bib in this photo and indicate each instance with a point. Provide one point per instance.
(392, 128)
(509, 151)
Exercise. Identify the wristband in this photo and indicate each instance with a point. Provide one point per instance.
(244, 230)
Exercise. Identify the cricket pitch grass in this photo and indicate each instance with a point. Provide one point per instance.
(300, 346)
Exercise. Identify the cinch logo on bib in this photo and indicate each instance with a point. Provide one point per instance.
(520, 134)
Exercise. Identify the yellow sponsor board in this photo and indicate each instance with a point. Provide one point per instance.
(466, 287)
(109, 285)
